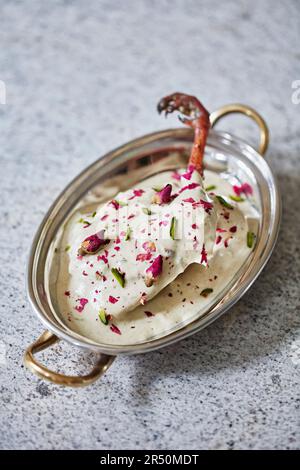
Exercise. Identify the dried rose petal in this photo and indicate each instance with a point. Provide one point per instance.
(190, 186)
(144, 256)
(189, 199)
(143, 298)
(207, 206)
(190, 171)
(93, 243)
(218, 240)
(114, 203)
(163, 196)
(137, 193)
(112, 299)
(149, 246)
(233, 229)
(82, 304)
(176, 175)
(245, 188)
(115, 329)
(203, 255)
(154, 271)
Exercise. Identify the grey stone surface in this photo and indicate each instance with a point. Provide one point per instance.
(81, 78)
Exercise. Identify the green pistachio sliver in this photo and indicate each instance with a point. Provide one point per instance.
(250, 239)
(146, 211)
(157, 189)
(94, 214)
(102, 316)
(173, 228)
(83, 221)
(206, 292)
(128, 233)
(211, 187)
(68, 247)
(224, 203)
(236, 198)
(118, 276)
(121, 203)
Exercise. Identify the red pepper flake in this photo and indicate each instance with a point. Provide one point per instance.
(218, 240)
(67, 293)
(245, 188)
(203, 255)
(233, 229)
(115, 329)
(112, 299)
(148, 314)
(82, 304)
(189, 186)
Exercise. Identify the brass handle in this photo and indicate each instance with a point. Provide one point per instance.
(250, 112)
(46, 340)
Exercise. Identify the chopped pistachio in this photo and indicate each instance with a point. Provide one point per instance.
(250, 239)
(94, 213)
(120, 277)
(224, 203)
(173, 228)
(128, 233)
(146, 211)
(210, 188)
(236, 198)
(68, 247)
(102, 316)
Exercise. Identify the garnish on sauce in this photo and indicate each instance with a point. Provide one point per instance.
(93, 243)
(154, 271)
(206, 292)
(250, 239)
(173, 228)
(102, 316)
(224, 202)
(236, 198)
(120, 277)
(163, 196)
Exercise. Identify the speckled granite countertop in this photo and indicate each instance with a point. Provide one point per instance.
(79, 81)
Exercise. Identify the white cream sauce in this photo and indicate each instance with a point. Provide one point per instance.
(188, 285)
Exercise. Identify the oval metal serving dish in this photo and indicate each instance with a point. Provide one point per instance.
(143, 157)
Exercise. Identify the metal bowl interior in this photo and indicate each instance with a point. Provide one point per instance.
(142, 158)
